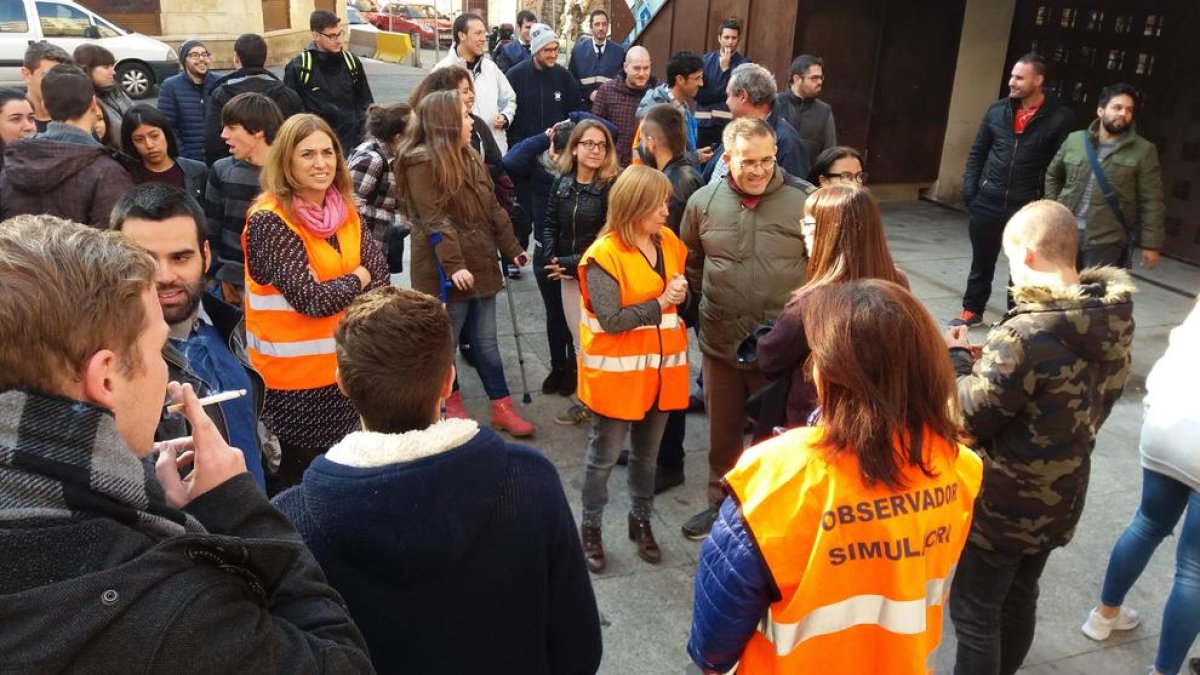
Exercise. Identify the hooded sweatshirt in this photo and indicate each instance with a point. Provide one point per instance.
(455, 551)
(63, 172)
(1046, 380)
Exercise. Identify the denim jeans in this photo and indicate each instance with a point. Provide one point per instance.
(1102, 255)
(1164, 500)
(993, 603)
(605, 441)
(477, 317)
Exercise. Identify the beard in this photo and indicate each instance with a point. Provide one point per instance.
(1114, 127)
(176, 314)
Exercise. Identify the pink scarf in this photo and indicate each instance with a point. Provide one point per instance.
(322, 221)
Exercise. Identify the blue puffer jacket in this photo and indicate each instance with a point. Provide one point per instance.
(732, 573)
(182, 103)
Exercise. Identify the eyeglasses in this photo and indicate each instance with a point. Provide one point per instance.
(808, 225)
(815, 78)
(756, 164)
(602, 146)
(846, 176)
(199, 56)
(334, 36)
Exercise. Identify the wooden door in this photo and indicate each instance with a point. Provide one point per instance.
(1092, 44)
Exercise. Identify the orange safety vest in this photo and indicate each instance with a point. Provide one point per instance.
(289, 349)
(622, 375)
(863, 571)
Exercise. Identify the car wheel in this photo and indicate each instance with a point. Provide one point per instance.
(136, 79)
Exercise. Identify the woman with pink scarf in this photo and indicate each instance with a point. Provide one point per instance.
(307, 258)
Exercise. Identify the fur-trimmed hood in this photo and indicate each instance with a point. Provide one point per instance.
(1094, 318)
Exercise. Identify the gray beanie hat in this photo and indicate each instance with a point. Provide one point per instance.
(540, 35)
(187, 47)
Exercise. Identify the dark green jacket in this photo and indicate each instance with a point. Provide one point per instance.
(1135, 175)
(1048, 377)
(742, 263)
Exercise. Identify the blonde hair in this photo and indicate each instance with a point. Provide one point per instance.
(638, 192)
(608, 169)
(436, 127)
(277, 178)
(69, 291)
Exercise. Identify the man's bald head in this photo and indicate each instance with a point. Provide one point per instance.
(637, 67)
(1047, 229)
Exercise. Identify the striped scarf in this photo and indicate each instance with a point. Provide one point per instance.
(63, 459)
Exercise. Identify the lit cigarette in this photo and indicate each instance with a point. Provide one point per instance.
(209, 400)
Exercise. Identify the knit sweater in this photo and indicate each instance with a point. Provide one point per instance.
(455, 551)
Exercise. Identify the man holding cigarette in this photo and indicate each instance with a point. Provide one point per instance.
(108, 569)
(205, 346)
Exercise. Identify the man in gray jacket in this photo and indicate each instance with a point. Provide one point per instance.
(1130, 164)
(745, 257)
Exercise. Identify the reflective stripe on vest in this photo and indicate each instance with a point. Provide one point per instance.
(268, 303)
(668, 322)
(597, 79)
(713, 114)
(907, 617)
(291, 349)
(628, 364)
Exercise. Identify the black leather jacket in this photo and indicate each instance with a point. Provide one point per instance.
(574, 215)
(1006, 170)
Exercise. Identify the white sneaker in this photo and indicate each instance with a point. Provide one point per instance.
(1099, 628)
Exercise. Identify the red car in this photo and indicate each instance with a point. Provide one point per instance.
(425, 15)
(394, 18)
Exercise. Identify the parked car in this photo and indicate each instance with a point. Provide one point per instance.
(142, 62)
(392, 18)
(427, 16)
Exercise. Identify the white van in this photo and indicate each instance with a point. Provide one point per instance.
(142, 62)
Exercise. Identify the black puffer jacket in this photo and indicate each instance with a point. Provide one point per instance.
(574, 215)
(685, 179)
(1006, 170)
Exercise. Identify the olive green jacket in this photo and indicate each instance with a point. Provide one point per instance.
(1136, 178)
(743, 263)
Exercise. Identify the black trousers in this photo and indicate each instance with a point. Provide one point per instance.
(993, 603)
(1103, 255)
(986, 229)
(670, 449)
(558, 335)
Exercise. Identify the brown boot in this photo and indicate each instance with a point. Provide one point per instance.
(593, 549)
(639, 531)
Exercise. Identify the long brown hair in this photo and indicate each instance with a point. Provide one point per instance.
(436, 128)
(848, 239)
(883, 379)
(445, 78)
(608, 169)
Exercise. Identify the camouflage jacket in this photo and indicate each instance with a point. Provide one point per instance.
(1048, 377)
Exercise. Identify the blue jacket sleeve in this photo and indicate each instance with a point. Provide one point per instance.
(733, 591)
(522, 158)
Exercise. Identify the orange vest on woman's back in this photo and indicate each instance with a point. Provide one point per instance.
(289, 349)
(863, 571)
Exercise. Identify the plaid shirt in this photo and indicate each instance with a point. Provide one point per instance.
(374, 184)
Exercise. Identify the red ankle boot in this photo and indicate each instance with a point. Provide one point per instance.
(506, 417)
(454, 407)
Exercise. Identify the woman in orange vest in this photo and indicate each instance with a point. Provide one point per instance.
(307, 258)
(633, 350)
(835, 549)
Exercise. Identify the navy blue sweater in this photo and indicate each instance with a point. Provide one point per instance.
(466, 561)
(182, 102)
